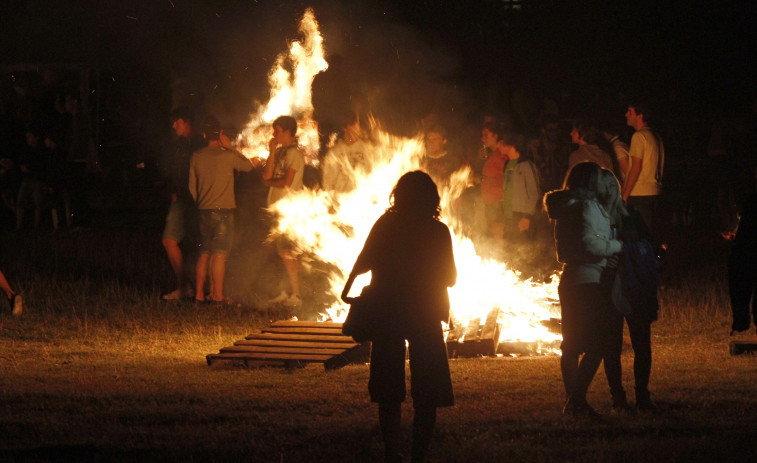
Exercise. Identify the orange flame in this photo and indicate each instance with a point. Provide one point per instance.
(334, 225)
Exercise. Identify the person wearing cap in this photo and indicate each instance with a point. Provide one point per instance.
(211, 184)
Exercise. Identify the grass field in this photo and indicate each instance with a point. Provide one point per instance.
(98, 369)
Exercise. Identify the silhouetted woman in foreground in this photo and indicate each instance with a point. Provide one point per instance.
(409, 254)
(583, 243)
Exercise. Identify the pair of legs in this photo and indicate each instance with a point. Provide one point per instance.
(390, 419)
(216, 231)
(215, 265)
(587, 326)
(13, 298)
(177, 225)
(176, 259)
(641, 341)
(431, 387)
(5, 286)
(742, 282)
(292, 269)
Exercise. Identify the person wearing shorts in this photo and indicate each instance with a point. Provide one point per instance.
(211, 183)
(180, 219)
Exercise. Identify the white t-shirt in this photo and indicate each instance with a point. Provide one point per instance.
(287, 157)
(649, 148)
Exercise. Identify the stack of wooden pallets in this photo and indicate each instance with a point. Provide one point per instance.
(295, 344)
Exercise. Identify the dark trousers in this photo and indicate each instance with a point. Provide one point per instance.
(641, 341)
(742, 282)
(588, 327)
(650, 209)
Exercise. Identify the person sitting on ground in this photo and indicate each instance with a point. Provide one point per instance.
(409, 254)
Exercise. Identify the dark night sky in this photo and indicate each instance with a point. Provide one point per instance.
(694, 53)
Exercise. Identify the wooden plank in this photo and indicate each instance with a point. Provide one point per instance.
(306, 324)
(268, 356)
(287, 343)
(472, 332)
(283, 350)
(300, 337)
(358, 354)
(304, 330)
(490, 330)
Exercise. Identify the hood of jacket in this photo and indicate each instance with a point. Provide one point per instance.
(557, 202)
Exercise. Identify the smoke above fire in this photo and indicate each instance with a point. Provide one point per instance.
(332, 226)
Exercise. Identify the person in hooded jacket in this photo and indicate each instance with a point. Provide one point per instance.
(583, 243)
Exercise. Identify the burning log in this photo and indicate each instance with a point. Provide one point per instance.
(475, 339)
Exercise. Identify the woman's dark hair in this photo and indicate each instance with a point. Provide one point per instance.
(415, 194)
(584, 176)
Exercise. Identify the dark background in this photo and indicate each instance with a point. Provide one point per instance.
(695, 54)
(691, 60)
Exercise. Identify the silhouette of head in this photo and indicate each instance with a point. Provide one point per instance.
(585, 176)
(415, 194)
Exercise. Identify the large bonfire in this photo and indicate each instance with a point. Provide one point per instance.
(332, 226)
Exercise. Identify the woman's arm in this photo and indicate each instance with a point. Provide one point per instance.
(596, 242)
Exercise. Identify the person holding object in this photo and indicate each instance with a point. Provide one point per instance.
(410, 257)
(211, 184)
(283, 173)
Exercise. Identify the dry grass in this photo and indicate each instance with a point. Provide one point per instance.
(99, 370)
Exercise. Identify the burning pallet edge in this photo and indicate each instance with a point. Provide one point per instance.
(478, 339)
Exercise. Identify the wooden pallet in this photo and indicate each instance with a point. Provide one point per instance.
(295, 344)
(743, 346)
(476, 339)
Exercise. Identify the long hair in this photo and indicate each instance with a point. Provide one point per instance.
(608, 195)
(415, 195)
(583, 180)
